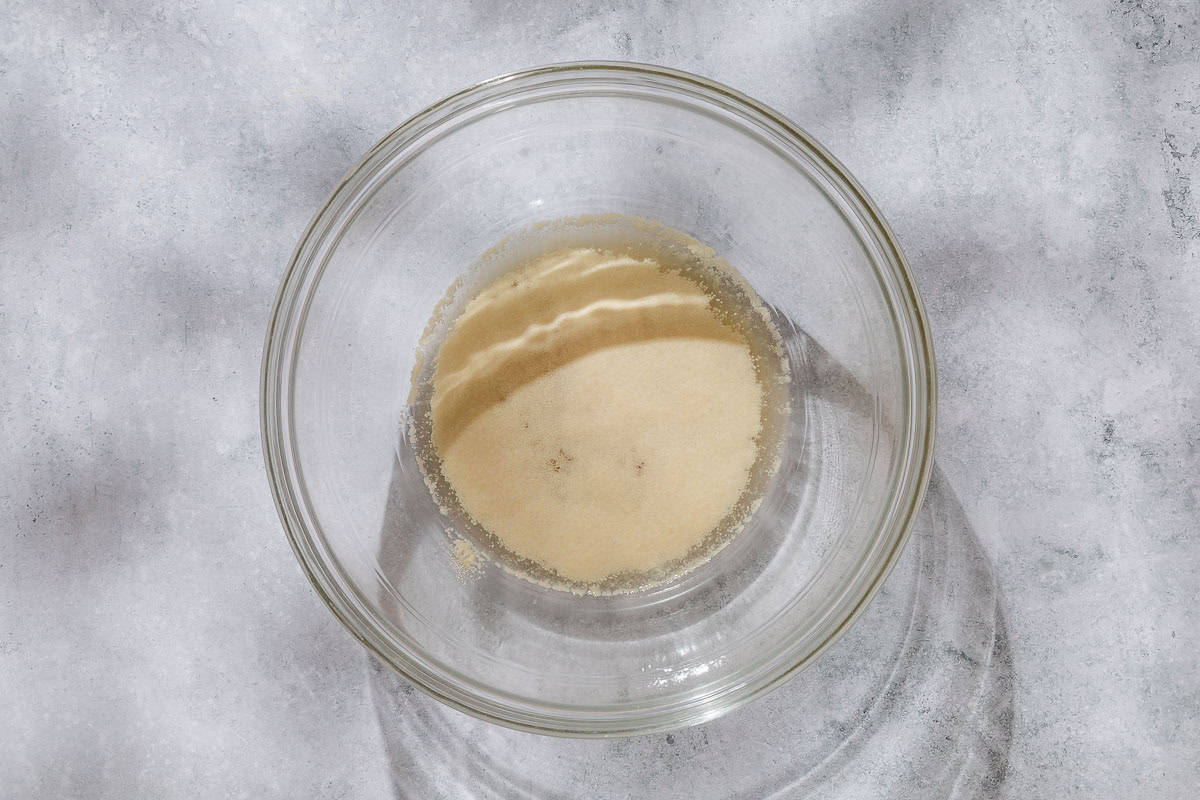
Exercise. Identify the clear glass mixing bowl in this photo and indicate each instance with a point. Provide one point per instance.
(567, 140)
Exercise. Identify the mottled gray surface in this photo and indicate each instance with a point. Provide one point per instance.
(1039, 162)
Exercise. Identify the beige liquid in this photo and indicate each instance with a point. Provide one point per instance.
(600, 414)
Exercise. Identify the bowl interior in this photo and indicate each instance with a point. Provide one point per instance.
(428, 202)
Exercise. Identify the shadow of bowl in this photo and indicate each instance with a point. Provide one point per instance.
(917, 694)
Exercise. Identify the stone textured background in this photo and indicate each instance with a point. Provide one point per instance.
(1039, 162)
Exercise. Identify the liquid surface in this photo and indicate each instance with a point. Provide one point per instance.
(599, 415)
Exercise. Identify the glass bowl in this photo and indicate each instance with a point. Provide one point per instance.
(569, 140)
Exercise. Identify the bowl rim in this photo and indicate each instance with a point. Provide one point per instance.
(919, 425)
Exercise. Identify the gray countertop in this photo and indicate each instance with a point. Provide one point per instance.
(1037, 161)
